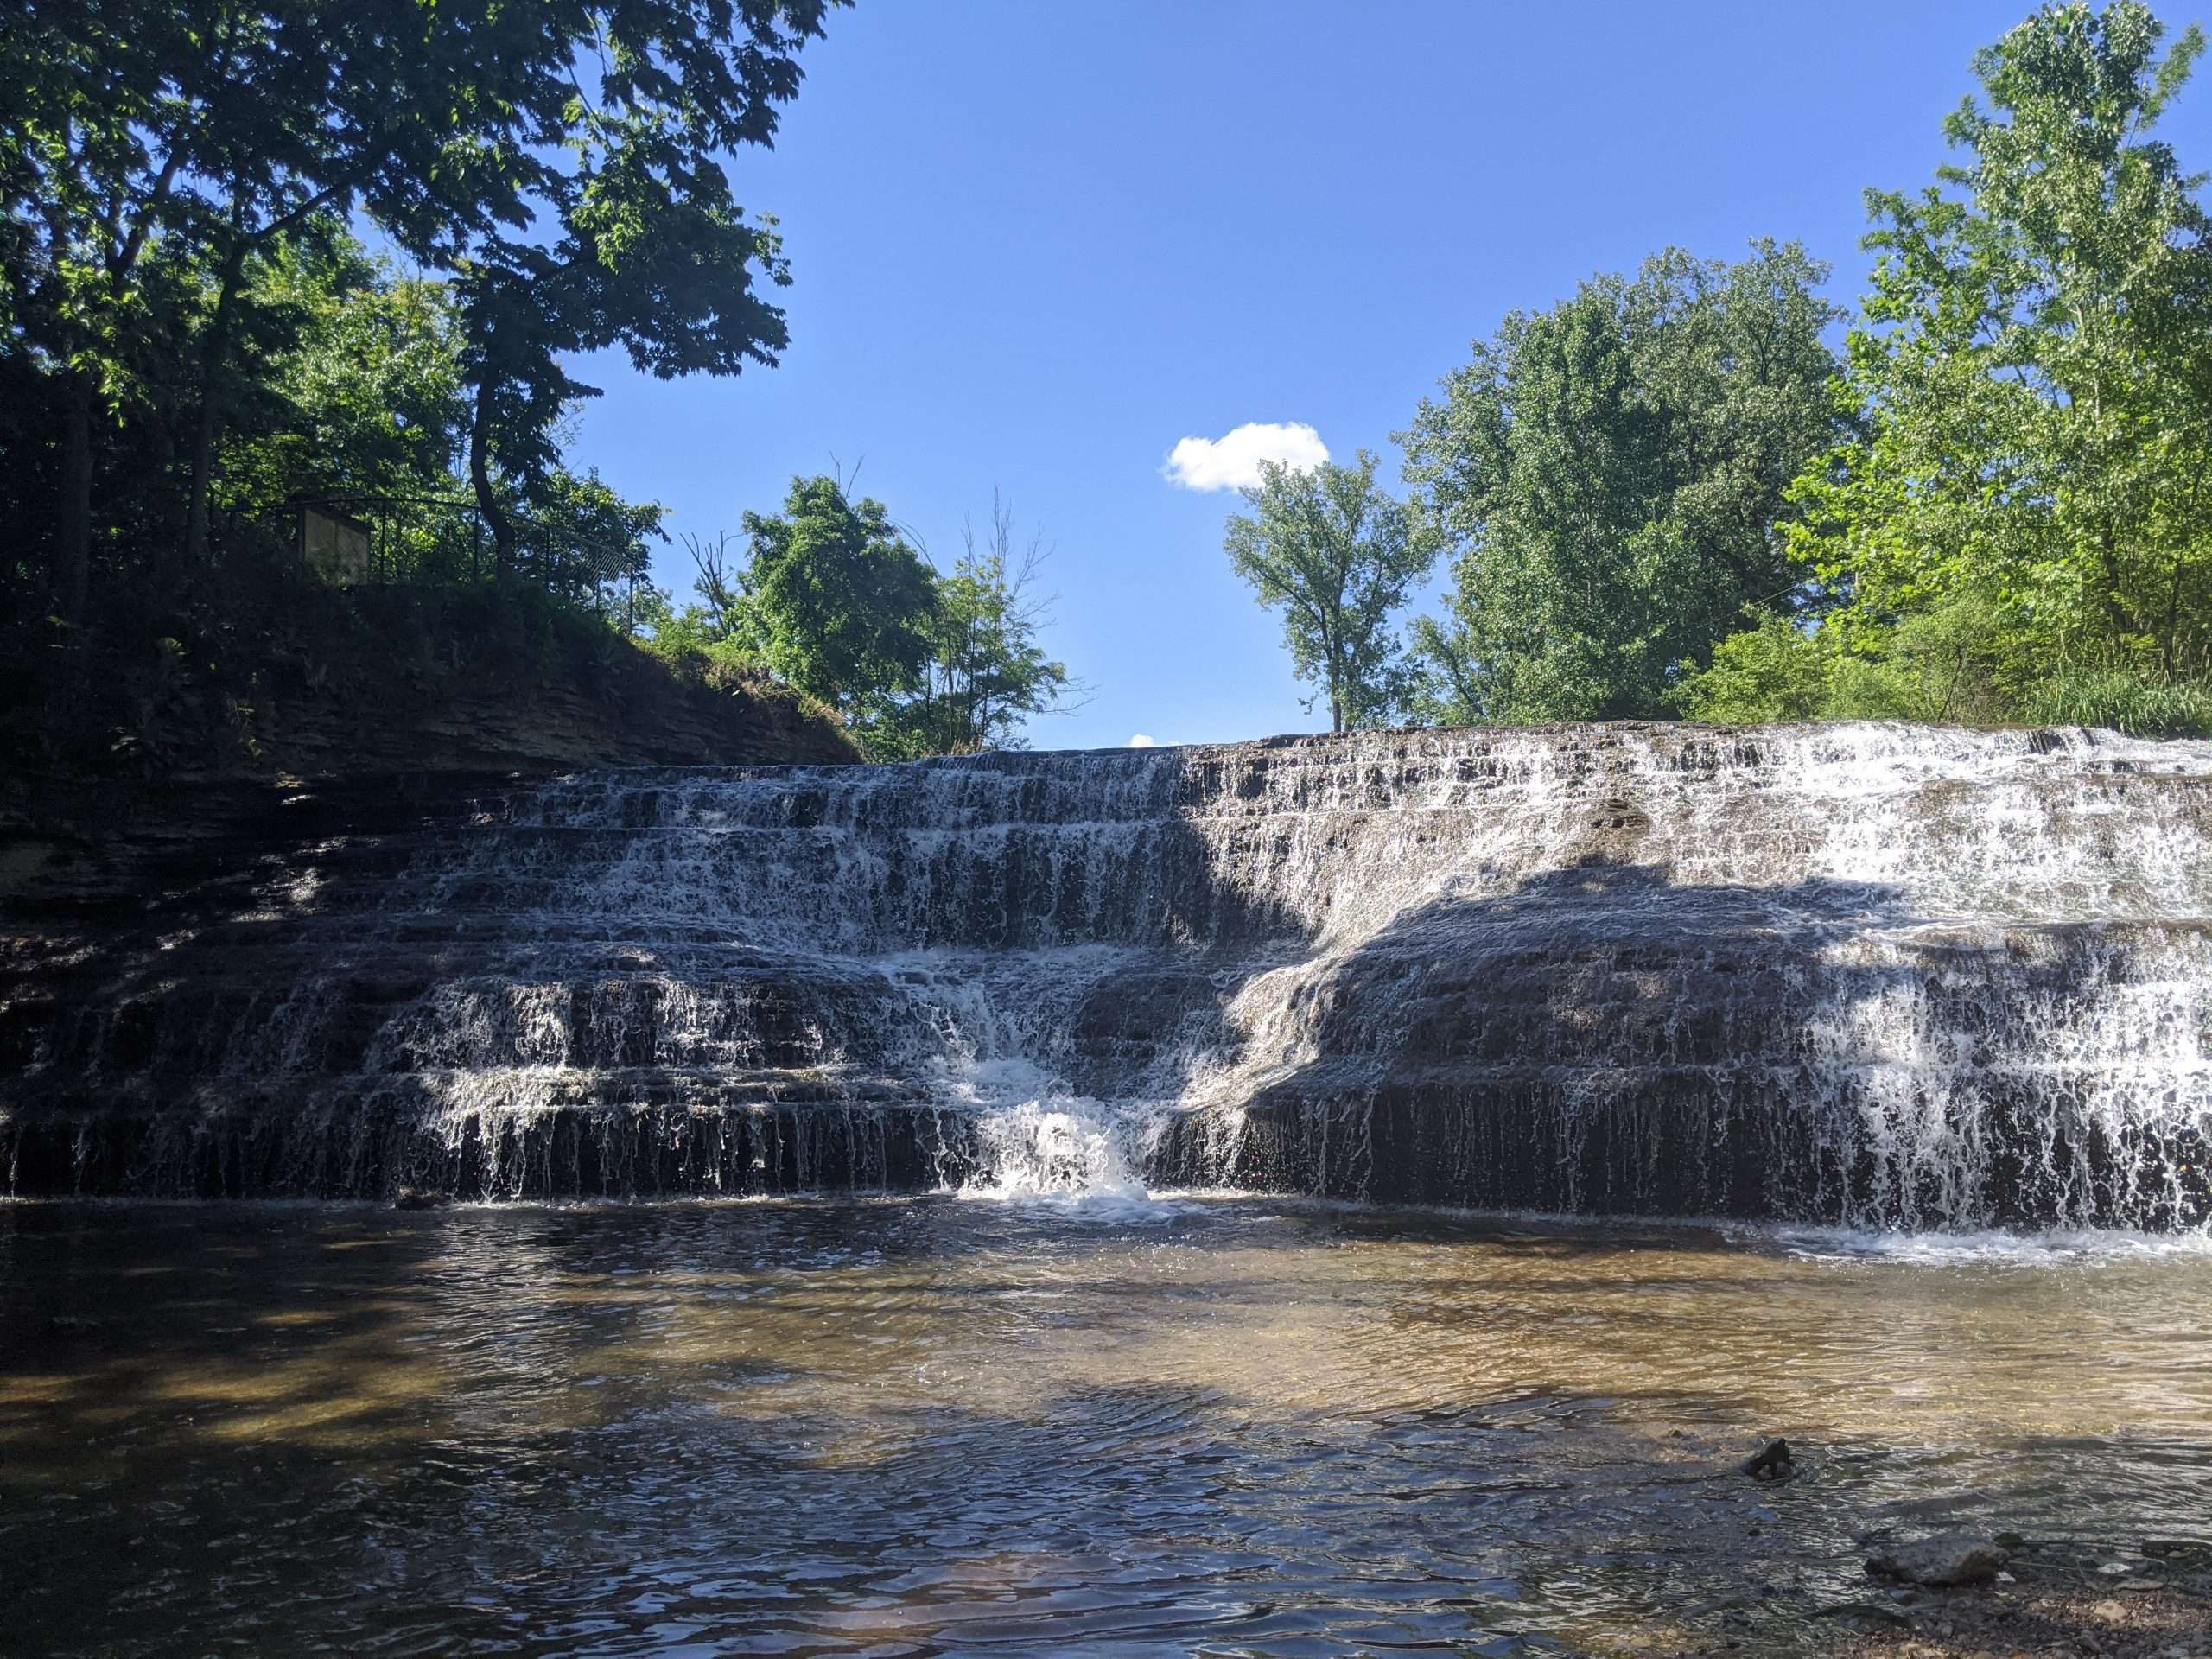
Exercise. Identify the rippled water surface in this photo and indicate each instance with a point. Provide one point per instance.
(1221, 1425)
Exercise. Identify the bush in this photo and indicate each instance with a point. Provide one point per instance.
(1951, 665)
(1773, 671)
(2123, 701)
(1948, 665)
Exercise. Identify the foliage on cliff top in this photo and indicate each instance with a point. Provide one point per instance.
(2020, 527)
(191, 344)
(561, 165)
(833, 599)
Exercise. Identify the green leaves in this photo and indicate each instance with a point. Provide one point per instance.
(835, 603)
(1611, 472)
(560, 165)
(839, 603)
(2032, 364)
(1337, 555)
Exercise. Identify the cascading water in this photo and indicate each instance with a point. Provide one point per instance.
(1862, 974)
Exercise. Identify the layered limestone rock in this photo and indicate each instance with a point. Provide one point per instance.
(1866, 974)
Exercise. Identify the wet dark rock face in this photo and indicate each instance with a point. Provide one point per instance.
(1856, 974)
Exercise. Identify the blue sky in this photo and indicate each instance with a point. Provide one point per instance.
(1036, 245)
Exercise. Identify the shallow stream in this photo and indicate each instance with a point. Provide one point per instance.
(1125, 1426)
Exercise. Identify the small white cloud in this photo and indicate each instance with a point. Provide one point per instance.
(1140, 741)
(1232, 461)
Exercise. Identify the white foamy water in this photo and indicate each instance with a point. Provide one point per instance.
(2030, 1248)
(1871, 975)
(1082, 1158)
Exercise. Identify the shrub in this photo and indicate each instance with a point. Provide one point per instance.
(1773, 671)
(2124, 701)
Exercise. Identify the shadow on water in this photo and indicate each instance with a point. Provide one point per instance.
(932, 1428)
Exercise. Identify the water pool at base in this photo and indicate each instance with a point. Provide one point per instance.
(938, 1425)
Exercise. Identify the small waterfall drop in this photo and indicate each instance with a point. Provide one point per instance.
(1065, 1151)
(1863, 974)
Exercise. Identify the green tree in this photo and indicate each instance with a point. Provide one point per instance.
(654, 253)
(562, 163)
(134, 135)
(838, 604)
(1339, 555)
(1771, 671)
(362, 394)
(987, 675)
(1612, 472)
(353, 386)
(833, 600)
(2033, 369)
(88, 158)
(590, 543)
(1940, 665)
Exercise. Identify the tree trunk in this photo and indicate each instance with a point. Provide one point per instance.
(480, 474)
(72, 510)
(203, 438)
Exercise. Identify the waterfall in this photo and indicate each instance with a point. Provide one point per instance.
(1864, 973)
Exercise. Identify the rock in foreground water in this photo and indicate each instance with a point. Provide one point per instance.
(1947, 1559)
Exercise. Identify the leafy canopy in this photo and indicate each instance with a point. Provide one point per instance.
(839, 604)
(2034, 366)
(1610, 473)
(1337, 555)
(832, 599)
(561, 166)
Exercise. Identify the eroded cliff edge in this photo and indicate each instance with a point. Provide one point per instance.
(121, 778)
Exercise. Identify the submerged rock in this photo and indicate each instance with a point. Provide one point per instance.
(1771, 1462)
(1943, 1561)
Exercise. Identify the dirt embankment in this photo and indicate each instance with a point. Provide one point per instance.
(120, 766)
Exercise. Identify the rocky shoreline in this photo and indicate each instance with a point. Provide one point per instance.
(1979, 1595)
(2152, 1601)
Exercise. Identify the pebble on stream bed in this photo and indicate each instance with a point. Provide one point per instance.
(2058, 1606)
(2056, 1602)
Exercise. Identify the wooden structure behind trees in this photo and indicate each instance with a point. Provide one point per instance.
(177, 189)
(443, 541)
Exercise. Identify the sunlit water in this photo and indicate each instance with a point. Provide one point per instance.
(1030, 1422)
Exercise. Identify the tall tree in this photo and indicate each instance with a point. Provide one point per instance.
(91, 140)
(362, 393)
(132, 133)
(839, 603)
(564, 162)
(986, 674)
(1339, 555)
(1612, 473)
(2034, 364)
(653, 253)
